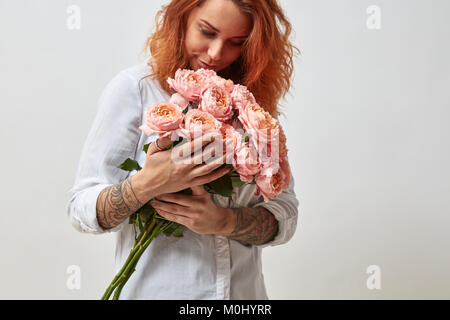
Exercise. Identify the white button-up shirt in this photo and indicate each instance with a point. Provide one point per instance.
(195, 266)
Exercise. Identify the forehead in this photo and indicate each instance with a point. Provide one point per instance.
(225, 16)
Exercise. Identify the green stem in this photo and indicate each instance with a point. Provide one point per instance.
(142, 237)
(132, 266)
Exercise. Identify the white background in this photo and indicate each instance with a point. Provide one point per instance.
(367, 128)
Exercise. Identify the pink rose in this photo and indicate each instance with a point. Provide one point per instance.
(179, 100)
(228, 133)
(237, 125)
(226, 84)
(216, 101)
(241, 96)
(270, 162)
(272, 154)
(246, 164)
(206, 73)
(188, 83)
(163, 118)
(232, 140)
(198, 122)
(262, 127)
(213, 79)
(272, 186)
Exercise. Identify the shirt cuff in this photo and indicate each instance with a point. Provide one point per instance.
(287, 223)
(82, 211)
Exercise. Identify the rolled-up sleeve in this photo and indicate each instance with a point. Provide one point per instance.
(113, 137)
(284, 207)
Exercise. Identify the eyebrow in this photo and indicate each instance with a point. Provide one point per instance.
(217, 30)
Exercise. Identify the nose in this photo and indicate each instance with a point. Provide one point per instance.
(215, 50)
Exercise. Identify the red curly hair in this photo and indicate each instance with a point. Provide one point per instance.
(265, 66)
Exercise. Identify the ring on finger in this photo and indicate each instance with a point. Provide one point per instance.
(157, 146)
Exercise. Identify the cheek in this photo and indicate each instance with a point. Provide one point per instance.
(232, 54)
(188, 43)
(194, 44)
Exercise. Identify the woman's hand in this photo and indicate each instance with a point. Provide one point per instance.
(183, 166)
(198, 212)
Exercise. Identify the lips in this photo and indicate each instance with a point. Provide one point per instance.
(205, 65)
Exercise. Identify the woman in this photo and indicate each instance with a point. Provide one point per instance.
(219, 256)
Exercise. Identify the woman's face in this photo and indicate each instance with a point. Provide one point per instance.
(215, 34)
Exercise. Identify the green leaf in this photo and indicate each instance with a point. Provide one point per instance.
(235, 115)
(178, 231)
(236, 182)
(132, 219)
(174, 143)
(130, 165)
(209, 189)
(146, 212)
(140, 225)
(175, 230)
(185, 191)
(234, 173)
(145, 148)
(159, 218)
(171, 228)
(222, 186)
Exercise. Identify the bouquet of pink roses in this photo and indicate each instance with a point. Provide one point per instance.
(256, 146)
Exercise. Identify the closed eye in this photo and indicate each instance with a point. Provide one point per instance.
(211, 35)
(206, 33)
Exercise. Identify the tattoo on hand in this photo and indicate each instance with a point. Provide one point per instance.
(254, 226)
(116, 203)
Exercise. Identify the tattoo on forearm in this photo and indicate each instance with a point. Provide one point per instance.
(116, 203)
(254, 226)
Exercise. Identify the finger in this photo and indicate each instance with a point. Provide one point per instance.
(206, 168)
(152, 148)
(216, 174)
(163, 143)
(219, 157)
(170, 207)
(186, 149)
(211, 151)
(175, 217)
(198, 190)
(185, 200)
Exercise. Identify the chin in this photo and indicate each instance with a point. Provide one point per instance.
(194, 64)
